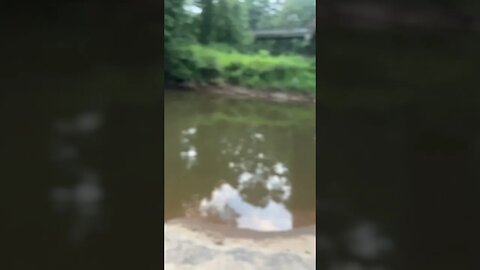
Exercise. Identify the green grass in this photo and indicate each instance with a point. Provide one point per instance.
(260, 71)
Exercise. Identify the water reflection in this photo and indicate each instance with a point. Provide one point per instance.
(190, 152)
(246, 164)
(227, 203)
(257, 199)
(82, 199)
(256, 170)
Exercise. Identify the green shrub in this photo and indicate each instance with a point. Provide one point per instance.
(259, 71)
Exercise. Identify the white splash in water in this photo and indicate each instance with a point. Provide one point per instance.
(191, 131)
(190, 156)
(227, 203)
(259, 136)
(191, 153)
(280, 168)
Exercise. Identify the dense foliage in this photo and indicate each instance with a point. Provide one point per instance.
(260, 71)
(200, 35)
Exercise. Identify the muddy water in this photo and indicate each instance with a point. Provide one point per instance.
(248, 164)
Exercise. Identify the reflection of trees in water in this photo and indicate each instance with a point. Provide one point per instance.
(83, 198)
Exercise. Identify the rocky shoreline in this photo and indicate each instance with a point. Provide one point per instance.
(194, 244)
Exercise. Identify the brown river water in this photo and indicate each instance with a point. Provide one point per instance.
(248, 164)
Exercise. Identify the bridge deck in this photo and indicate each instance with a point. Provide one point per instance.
(283, 33)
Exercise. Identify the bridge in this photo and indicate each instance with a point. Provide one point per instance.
(307, 33)
(298, 33)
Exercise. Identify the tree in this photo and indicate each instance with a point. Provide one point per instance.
(175, 59)
(296, 13)
(231, 22)
(224, 22)
(173, 11)
(259, 13)
(206, 21)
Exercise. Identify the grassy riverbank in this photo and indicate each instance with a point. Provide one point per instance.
(261, 71)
